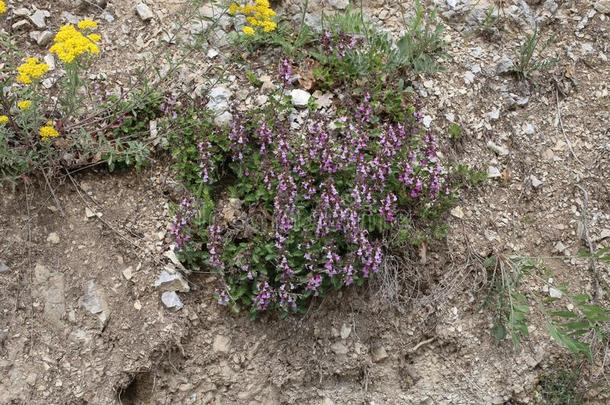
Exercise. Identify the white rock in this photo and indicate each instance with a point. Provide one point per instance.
(493, 172)
(555, 293)
(379, 354)
(212, 53)
(38, 18)
(603, 6)
(44, 38)
(494, 114)
(505, 65)
(500, 150)
(468, 77)
(22, 24)
(427, 121)
(339, 4)
(53, 238)
(171, 282)
(339, 348)
(529, 129)
(223, 119)
(128, 273)
(94, 301)
(49, 59)
(21, 12)
(221, 344)
(458, 212)
(171, 300)
(144, 12)
(219, 99)
(300, 98)
(535, 181)
(346, 330)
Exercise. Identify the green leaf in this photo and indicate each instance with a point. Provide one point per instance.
(573, 345)
(498, 331)
(564, 314)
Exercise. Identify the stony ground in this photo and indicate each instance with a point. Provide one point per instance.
(82, 322)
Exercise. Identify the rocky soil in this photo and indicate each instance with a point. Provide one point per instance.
(85, 317)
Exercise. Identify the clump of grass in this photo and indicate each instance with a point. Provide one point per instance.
(530, 58)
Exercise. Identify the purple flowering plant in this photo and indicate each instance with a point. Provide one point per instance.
(315, 204)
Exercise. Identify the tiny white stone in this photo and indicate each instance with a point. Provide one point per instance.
(300, 98)
(427, 121)
(144, 12)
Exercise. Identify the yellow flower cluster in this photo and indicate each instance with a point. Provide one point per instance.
(3, 119)
(87, 24)
(31, 70)
(2, 7)
(258, 15)
(24, 105)
(70, 43)
(48, 131)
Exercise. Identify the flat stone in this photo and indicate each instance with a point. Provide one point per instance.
(49, 287)
(535, 181)
(94, 301)
(505, 65)
(493, 172)
(38, 18)
(346, 330)
(339, 348)
(44, 38)
(21, 12)
(144, 12)
(339, 4)
(128, 273)
(221, 344)
(223, 119)
(171, 300)
(500, 150)
(4, 268)
(53, 238)
(300, 98)
(379, 353)
(603, 6)
(219, 98)
(171, 282)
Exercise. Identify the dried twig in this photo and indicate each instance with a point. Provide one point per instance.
(57, 203)
(420, 344)
(590, 244)
(560, 125)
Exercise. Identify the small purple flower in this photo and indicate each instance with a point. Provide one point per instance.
(417, 189)
(205, 160)
(264, 297)
(388, 208)
(314, 283)
(285, 71)
(178, 227)
(287, 299)
(223, 297)
(365, 110)
(215, 245)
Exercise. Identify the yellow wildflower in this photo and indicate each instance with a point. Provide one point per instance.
(269, 26)
(87, 24)
(2, 7)
(95, 37)
(31, 70)
(3, 120)
(69, 44)
(24, 105)
(48, 131)
(259, 14)
(233, 8)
